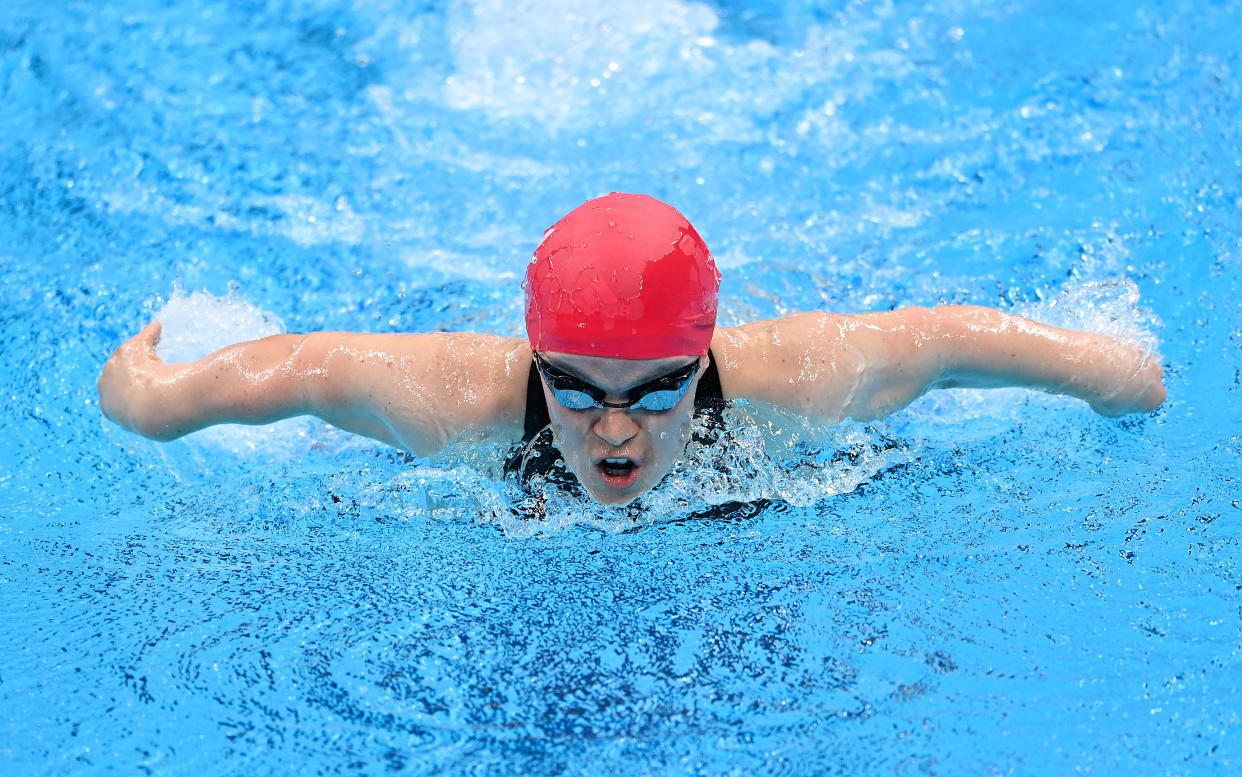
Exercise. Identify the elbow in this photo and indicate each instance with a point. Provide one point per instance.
(160, 435)
(965, 321)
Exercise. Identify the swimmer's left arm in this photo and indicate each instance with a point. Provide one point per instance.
(986, 348)
(870, 365)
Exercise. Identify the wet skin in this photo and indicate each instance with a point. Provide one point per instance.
(418, 391)
(593, 441)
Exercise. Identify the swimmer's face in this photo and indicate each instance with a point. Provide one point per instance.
(616, 453)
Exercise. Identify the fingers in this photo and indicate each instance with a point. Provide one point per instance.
(151, 333)
(141, 346)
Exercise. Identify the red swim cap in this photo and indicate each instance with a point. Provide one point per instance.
(623, 276)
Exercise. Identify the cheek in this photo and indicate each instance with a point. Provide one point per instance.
(562, 420)
(568, 431)
(562, 432)
(672, 435)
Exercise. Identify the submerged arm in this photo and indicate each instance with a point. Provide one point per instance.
(867, 366)
(410, 391)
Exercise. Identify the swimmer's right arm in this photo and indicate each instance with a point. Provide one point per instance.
(412, 391)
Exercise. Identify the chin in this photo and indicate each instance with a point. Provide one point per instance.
(607, 496)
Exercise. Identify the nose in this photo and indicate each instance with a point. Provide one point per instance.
(615, 427)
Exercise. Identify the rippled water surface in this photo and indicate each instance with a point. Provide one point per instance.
(987, 583)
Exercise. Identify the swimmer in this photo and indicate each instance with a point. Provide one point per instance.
(622, 350)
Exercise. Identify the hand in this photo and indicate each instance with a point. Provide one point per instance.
(129, 381)
(1141, 392)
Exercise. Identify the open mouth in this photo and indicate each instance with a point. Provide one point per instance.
(617, 472)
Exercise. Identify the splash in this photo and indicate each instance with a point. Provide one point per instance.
(757, 455)
(760, 455)
(1107, 306)
(197, 324)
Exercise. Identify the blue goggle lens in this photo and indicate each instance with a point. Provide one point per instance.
(575, 394)
(574, 399)
(660, 401)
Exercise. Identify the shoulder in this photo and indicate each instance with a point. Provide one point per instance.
(788, 342)
(751, 354)
(772, 360)
(488, 375)
(484, 373)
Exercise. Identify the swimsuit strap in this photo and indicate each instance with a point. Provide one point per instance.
(708, 396)
(536, 406)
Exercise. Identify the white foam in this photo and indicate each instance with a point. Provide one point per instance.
(1109, 306)
(198, 323)
(550, 60)
(803, 465)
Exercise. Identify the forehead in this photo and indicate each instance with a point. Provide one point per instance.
(610, 373)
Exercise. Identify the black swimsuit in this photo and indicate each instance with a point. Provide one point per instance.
(538, 457)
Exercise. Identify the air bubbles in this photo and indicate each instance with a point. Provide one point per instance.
(748, 462)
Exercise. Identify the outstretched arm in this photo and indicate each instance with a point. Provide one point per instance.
(412, 391)
(867, 366)
(986, 348)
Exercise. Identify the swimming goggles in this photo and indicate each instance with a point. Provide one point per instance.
(657, 396)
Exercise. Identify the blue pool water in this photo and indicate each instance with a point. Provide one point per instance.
(987, 583)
